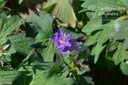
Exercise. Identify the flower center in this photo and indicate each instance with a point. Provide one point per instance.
(62, 40)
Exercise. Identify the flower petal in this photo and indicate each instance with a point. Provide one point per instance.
(65, 50)
(60, 34)
(60, 46)
(54, 37)
(68, 37)
(67, 44)
(79, 43)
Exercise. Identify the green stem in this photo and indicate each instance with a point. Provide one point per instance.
(67, 55)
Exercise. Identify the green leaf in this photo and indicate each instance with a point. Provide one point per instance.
(107, 30)
(2, 5)
(122, 33)
(55, 75)
(26, 59)
(109, 9)
(8, 76)
(9, 27)
(20, 1)
(89, 81)
(87, 3)
(110, 4)
(5, 58)
(92, 39)
(21, 43)
(100, 31)
(103, 6)
(84, 80)
(6, 26)
(43, 23)
(3, 19)
(119, 55)
(124, 68)
(125, 2)
(84, 52)
(75, 34)
(55, 79)
(23, 79)
(96, 51)
(92, 26)
(62, 10)
(47, 51)
(113, 45)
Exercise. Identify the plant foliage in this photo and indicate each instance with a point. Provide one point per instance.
(64, 42)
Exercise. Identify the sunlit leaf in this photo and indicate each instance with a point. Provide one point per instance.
(20, 1)
(92, 39)
(21, 43)
(122, 34)
(55, 79)
(6, 26)
(102, 6)
(62, 10)
(119, 55)
(43, 25)
(124, 68)
(92, 26)
(96, 51)
(6, 77)
(47, 51)
(113, 45)
(107, 30)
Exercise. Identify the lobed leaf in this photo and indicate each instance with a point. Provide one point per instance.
(43, 25)
(21, 43)
(6, 26)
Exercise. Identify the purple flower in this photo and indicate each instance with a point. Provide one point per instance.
(64, 43)
(74, 44)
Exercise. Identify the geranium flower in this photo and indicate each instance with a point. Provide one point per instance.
(64, 43)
